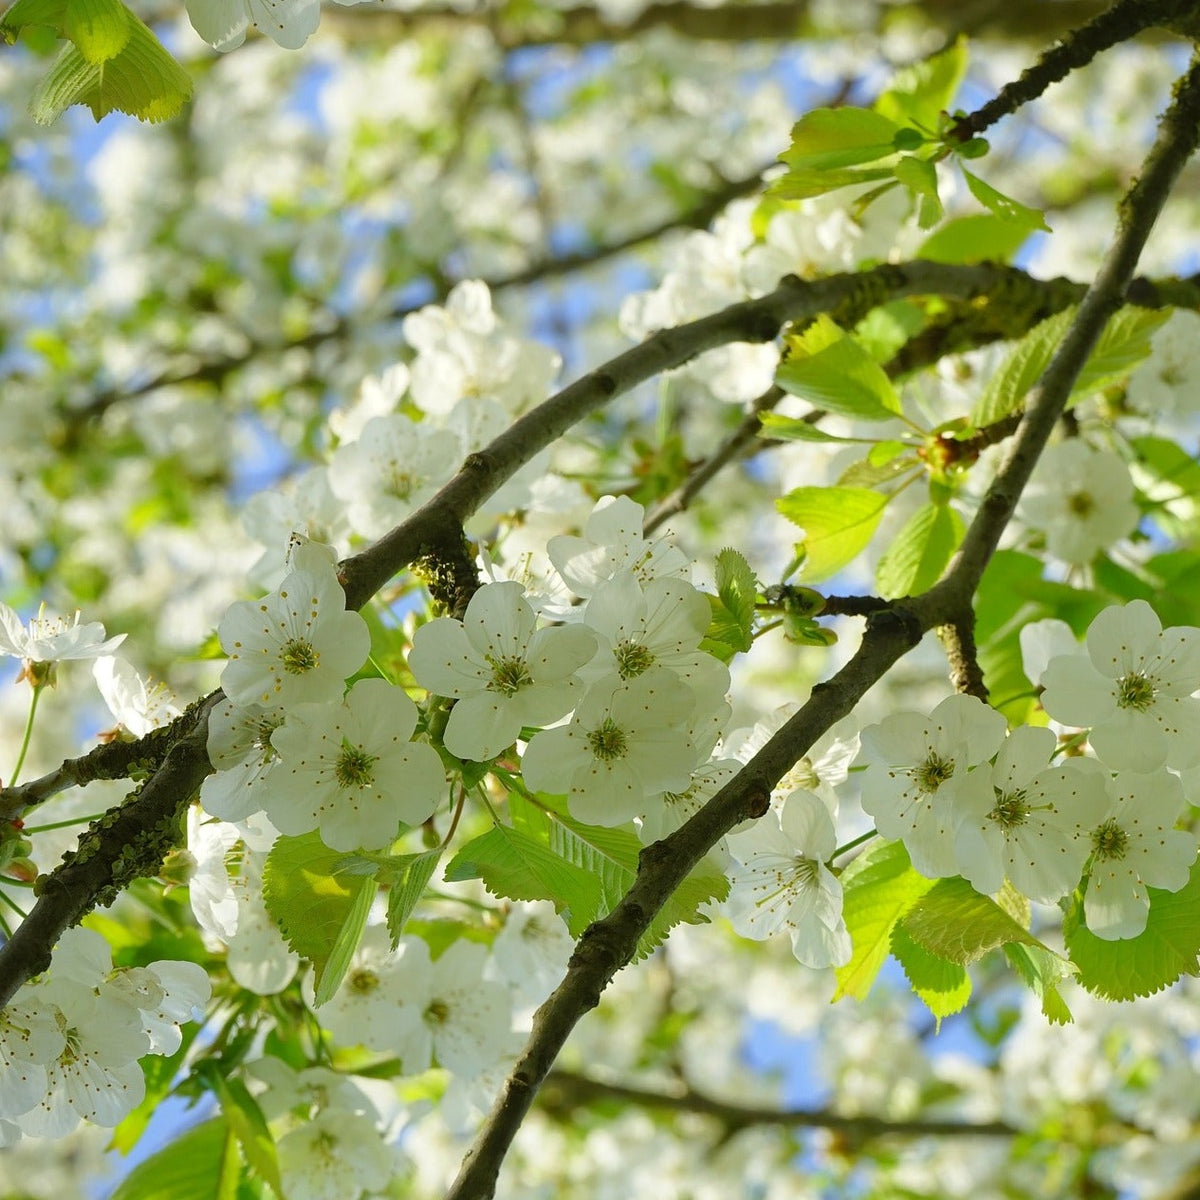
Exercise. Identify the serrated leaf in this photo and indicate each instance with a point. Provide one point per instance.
(1005, 207)
(610, 855)
(320, 909)
(955, 922)
(1042, 972)
(99, 28)
(203, 1164)
(1167, 949)
(249, 1126)
(944, 987)
(24, 13)
(920, 92)
(838, 524)
(407, 879)
(878, 888)
(142, 80)
(794, 429)
(918, 555)
(976, 238)
(839, 376)
(827, 138)
(1124, 343)
(520, 866)
(733, 605)
(920, 177)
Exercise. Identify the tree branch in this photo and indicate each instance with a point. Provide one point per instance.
(567, 1090)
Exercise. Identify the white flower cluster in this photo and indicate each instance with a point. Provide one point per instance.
(967, 800)
(70, 1041)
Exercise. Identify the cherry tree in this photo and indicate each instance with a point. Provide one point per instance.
(546, 545)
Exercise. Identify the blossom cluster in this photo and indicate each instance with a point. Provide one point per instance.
(71, 1040)
(968, 800)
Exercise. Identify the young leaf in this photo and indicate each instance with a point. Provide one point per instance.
(1042, 972)
(839, 376)
(838, 523)
(249, 1126)
(794, 429)
(1123, 344)
(1156, 958)
(518, 865)
(1005, 207)
(920, 177)
(406, 881)
(142, 80)
(733, 605)
(320, 909)
(944, 987)
(203, 1164)
(611, 857)
(878, 888)
(915, 560)
(975, 238)
(921, 92)
(955, 922)
(100, 28)
(24, 13)
(827, 144)
(1008, 387)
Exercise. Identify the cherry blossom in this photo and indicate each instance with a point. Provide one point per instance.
(1134, 689)
(504, 671)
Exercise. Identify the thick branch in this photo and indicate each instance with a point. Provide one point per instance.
(567, 1090)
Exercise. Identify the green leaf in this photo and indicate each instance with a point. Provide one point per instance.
(976, 238)
(142, 80)
(320, 907)
(203, 1164)
(827, 138)
(830, 369)
(99, 28)
(955, 922)
(915, 560)
(1156, 958)
(920, 177)
(1124, 343)
(407, 878)
(610, 855)
(1042, 972)
(24, 13)
(918, 94)
(733, 605)
(838, 523)
(1008, 387)
(795, 429)
(827, 144)
(249, 1126)
(878, 887)
(521, 866)
(1005, 207)
(944, 987)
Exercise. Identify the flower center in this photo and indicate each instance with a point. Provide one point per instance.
(1010, 810)
(806, 873)
(363, 981)
(1110, 841)
(632, 659)
(354, 765)
(1135, 691)
(933, 772)
(400, 485)
(804, 775)
(1080, 504)
(437, 1012)
(509, 675)
(299, 656)
(608, 740)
